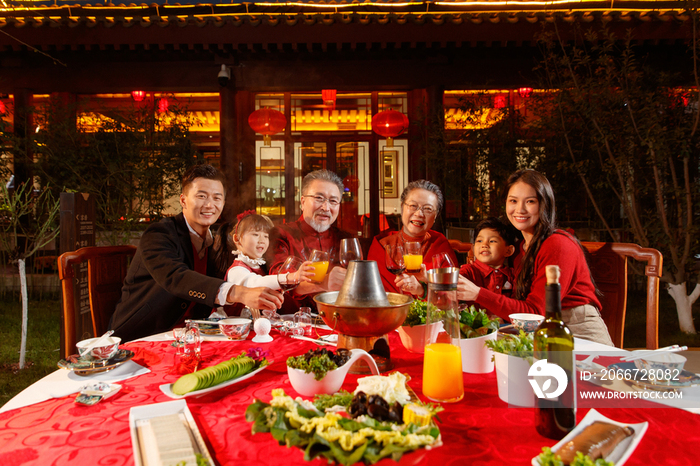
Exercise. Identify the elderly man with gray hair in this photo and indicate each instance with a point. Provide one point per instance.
(321, 195)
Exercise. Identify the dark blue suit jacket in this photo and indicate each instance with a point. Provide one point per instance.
(161, 282)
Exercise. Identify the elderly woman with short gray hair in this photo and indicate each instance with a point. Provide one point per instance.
(421, 202)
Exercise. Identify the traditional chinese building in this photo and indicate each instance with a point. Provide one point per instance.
(328, 67)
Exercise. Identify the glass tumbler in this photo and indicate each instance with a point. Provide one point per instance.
(192, 345)
(303, 320)
(179, 343)
(319, 261)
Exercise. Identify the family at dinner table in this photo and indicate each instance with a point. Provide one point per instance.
(187, 265)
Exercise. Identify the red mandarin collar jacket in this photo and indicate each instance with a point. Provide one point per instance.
(299, 239)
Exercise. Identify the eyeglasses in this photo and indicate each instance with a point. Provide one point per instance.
(426, 209)
(320, 200)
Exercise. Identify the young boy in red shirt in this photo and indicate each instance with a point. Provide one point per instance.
(493, 244)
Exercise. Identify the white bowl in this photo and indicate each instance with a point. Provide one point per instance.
(526, 322)
(104, 351)
(477, 358)
(513, 380)
(236, 328)
(305, 383)
(413, 338)
(660, 362)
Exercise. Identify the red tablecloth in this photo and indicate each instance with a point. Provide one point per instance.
(481, 429)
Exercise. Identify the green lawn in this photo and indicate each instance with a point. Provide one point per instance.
(43, 340)
(45, 322)
(669, 332)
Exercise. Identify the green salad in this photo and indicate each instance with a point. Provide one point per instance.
(319, 361)
(416, 313)
(475, 322)
(521, 345)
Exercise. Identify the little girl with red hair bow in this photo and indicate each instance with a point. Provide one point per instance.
(251, 236)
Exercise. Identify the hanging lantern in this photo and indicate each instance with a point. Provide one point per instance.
(3, 109)
(500, 101)
(525, 92)
(163, 105)
(138, 96)
(329, 97)
(389, 124)
(267, 122)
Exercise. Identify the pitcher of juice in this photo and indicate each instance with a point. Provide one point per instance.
(442, 364)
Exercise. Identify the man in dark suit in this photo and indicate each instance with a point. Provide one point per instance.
(173, 274)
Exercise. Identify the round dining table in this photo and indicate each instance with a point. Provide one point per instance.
(481, 429)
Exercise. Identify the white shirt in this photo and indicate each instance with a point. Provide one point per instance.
(200, 244)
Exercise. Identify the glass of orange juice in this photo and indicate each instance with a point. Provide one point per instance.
(442, 364)
(319, 261)
(412, 257)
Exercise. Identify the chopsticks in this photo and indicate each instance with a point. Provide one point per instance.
(318, 342)
(206, 322)
(644, 354)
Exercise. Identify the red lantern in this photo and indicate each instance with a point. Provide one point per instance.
(3, 109)
(163, 105)
(138, 96)
(500, 101)
(389, 124)
(267, 122)
(328, 97)
(525, 92)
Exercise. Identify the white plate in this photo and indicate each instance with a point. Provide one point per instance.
(138, 413)
(623, 450)
(165, 388)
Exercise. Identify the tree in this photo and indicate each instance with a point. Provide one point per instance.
(471, 151)
(129, 159)
(630, 133)
(29, 222)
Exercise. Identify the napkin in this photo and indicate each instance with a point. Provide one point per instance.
(64, 382)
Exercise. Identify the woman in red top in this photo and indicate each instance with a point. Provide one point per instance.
(530, 208)
(421, 202)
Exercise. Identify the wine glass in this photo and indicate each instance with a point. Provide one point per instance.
(442, 260)
(319, 261)
(291, 265)
(394, 259)
(349, 251)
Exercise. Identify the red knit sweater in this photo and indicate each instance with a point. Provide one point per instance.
(576, 286)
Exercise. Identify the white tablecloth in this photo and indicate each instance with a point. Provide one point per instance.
(64, 382)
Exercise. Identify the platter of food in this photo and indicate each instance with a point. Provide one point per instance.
(597, 436)
(216, 377)
(380, 419)
(83, 367)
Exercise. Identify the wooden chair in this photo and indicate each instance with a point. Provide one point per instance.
(608, 262)
(462, 249)
(106, 269)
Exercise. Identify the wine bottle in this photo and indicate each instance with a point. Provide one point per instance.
(556, 416)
